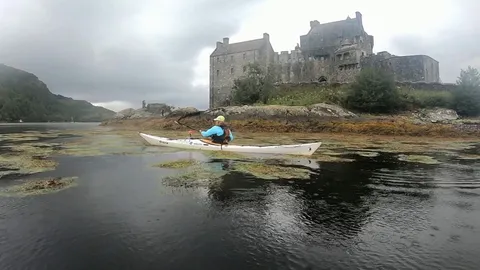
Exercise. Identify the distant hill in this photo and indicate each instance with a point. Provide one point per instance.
(24, 97)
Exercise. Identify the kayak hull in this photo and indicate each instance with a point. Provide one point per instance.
(306, 149)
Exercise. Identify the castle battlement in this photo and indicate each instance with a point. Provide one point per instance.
(288, 56)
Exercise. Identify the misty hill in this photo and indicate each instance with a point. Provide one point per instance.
(23, 96)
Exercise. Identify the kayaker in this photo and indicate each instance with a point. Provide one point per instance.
(219, 133)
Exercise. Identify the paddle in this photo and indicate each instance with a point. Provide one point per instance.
(193, 114)
(187, 126)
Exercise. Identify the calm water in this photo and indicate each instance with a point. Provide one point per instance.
(375, 213)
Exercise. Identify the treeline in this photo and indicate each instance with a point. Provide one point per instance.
(24, 97)
(373, 91)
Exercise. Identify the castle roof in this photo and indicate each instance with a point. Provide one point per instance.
(243, 46)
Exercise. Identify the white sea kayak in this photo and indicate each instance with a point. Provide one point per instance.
(306, 149)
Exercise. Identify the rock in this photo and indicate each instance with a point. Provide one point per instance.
(269, 112)
(182, 111)
(133, 114)
(330, 110)
(436, 115)
(125, 113)
(141, 113)
(279, 111)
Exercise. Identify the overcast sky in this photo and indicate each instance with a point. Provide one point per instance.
(116, 53)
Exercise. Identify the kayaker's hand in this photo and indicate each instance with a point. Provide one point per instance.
(200, 131)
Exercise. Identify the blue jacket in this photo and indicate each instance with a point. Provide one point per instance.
(215, 130)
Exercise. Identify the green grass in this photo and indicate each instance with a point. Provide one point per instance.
(426, 98)
(304, 95)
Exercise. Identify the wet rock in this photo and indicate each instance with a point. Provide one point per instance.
(437, 115)
(281, 111)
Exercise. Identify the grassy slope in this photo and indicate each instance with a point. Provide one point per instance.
(24, 96)
(308, 94)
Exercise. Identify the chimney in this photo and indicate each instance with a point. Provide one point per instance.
(314, 23)
(358, 16)
(225, 40)
(219, 44)
(266, 37)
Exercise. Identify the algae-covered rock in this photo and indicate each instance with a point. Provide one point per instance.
(468, 157)
(38, 187)
(328, 158)
(25, 164)
(418, 159)
(271, 171)
(224, 155)
(178, 164)
(195, 176)
(367, 154)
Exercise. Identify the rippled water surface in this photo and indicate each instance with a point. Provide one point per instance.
(371, 213)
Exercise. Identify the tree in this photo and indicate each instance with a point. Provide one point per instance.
(255, 87)
(469, 78)
(373, 91)
(467, 96)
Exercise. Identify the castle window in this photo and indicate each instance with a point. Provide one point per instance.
(218, 72)
(244, 69)
(218, 59)
(231, 58)
(231, 71)
(244, 55)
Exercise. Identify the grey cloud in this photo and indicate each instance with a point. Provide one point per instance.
(455, 48)
(61, 45)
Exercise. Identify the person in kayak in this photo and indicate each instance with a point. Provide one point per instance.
(219, 133)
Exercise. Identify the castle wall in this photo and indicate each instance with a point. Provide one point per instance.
(227, 67)
(414, 68)
(224, 70)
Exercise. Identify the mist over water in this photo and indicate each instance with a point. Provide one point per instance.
(372, 213)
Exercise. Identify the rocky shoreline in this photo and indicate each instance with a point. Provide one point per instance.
(316, 118)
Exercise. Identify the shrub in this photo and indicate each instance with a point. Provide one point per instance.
(467, 96)
(373, 91)
(254, 88)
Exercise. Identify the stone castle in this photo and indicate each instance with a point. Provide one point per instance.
(331, 52)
